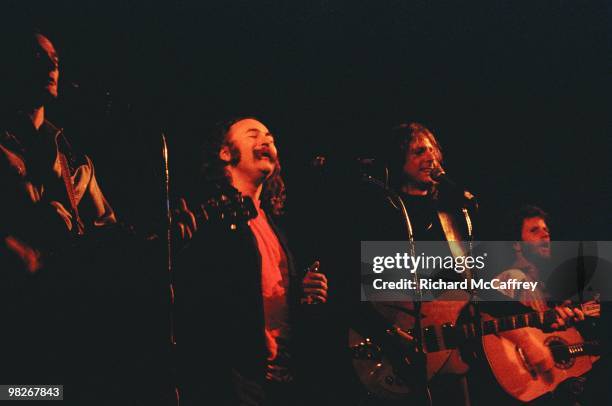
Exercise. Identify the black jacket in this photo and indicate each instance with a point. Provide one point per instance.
(219, 312)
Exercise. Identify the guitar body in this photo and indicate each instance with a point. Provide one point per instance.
(517, 378)
(376, 372)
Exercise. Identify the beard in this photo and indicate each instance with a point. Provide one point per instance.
(534, 255)
(418, 184)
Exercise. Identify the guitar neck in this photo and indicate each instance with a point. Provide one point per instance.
(453, 335)
(539, 320)
(534, 319)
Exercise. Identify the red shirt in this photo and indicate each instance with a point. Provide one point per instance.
(275, 285)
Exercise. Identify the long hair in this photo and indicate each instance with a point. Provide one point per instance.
(402, 136)
(273, 194)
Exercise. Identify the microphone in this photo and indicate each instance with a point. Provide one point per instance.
(438, 174)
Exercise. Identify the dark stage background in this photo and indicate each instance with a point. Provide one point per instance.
(515, 91)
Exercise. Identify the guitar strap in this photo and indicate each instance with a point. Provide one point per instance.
(450, 230)
(453, 236)
(80, 227)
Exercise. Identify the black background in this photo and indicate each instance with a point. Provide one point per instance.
(515, 91)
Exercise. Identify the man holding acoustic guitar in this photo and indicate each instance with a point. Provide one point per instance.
(532, 361)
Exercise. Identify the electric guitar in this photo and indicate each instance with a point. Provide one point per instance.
(573, 357)
(373, 365)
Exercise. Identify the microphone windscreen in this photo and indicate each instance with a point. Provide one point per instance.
(437, 173)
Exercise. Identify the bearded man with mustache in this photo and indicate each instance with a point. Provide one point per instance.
(532, 255)
(402, 199)
(238, 294)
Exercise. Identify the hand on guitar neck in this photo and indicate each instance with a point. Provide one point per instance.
(567, 314)
(227, 207)
(534, 351)
(529, 362)
(185, 220)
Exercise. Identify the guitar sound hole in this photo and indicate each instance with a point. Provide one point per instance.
(560, 352)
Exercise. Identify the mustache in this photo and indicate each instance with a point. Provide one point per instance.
(265, 153)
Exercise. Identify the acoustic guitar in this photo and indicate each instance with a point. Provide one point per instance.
(572, 355)
(441, 337)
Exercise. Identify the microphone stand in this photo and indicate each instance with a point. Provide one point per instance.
(419, 359)
(169, 263)
(473, 311)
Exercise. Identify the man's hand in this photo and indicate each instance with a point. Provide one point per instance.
(314, 285)
(536, 354)
(63, 213)
(566, 314)
(28, 256)
(184, 220)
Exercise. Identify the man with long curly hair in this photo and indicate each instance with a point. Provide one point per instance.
(252, 278)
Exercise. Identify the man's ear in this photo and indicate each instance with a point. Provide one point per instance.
(224, 154)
